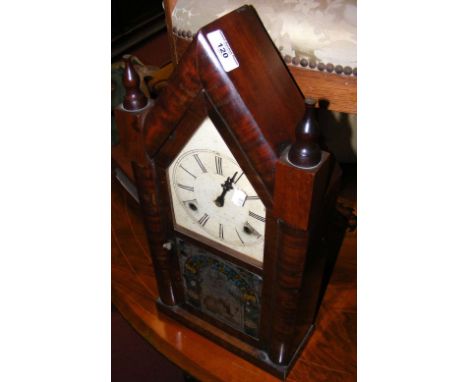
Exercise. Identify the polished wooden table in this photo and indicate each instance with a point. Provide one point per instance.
(330, 354)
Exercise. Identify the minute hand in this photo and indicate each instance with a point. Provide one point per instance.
(227, 185)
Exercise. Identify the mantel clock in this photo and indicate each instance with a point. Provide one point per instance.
(236, 194)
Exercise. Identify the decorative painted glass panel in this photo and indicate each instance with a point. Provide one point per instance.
(220, 288)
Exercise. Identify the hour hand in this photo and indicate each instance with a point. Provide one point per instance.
(219, 201)
(227, 185)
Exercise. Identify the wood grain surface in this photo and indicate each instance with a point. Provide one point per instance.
(297, 255)
(261, 121)
(329, 355)
(339, 90)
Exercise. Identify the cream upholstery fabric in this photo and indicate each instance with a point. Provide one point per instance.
(317, 30)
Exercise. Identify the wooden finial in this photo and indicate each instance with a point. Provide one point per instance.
(134, 98)
(305, 151)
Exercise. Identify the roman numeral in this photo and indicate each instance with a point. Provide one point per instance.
(258, 217)
(219, 165)
(240, 176)
(254, 197)
(203, 220)
(242, 241)
(200, 163)
(221, 231)
(184, 187)
(187, 171)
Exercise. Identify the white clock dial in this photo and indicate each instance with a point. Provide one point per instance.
(212, 196)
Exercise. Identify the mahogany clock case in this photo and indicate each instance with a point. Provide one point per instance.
(165, 156)
(256, 112)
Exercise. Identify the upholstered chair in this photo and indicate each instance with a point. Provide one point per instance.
(317, 40)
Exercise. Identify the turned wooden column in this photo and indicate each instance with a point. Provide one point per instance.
(162, 252)
(302, 175)
(130, 118)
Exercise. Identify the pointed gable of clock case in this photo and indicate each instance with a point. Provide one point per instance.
(255, 112)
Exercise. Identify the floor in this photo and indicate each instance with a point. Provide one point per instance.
(135, 360)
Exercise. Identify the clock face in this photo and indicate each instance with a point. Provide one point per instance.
(212, 197)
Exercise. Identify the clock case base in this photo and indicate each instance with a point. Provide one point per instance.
(232, 343)
(254, 354)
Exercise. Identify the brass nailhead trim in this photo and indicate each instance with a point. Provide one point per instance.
(304, 62)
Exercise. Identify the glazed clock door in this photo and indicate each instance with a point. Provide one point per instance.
(212, 199)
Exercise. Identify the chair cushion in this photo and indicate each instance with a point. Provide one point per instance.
(317, 34)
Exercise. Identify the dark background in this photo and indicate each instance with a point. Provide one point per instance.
(134, 22)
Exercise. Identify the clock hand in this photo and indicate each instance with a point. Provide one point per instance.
(227, 185)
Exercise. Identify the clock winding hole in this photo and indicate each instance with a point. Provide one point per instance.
(248, 230)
